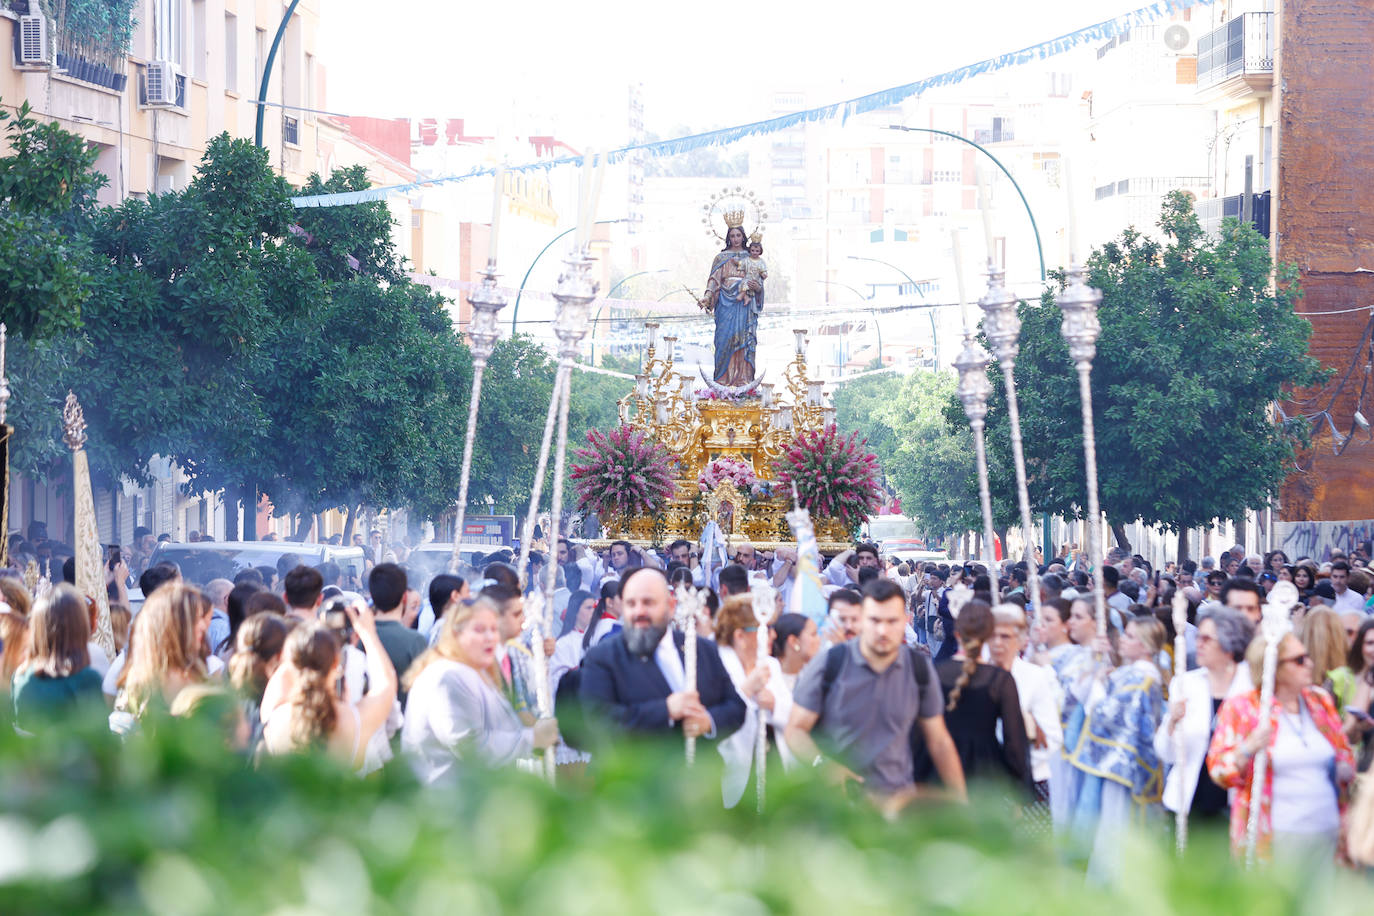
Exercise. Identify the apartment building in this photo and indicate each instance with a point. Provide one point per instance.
(148, 83)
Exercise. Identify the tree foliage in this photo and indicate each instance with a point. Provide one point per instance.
(1194, 349)
(927, 459)
(47, 189)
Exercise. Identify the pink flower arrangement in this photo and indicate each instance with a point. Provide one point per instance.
(711, 394)
(622, 473)
(835, 476)
(731, 469)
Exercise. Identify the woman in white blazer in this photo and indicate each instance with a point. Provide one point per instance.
(1194, 698)
(760, 684)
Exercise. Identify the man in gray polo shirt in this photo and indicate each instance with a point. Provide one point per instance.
(872, 701)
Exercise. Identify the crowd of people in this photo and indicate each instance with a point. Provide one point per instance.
(917, 682)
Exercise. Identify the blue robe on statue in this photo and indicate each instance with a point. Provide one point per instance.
(736, 312)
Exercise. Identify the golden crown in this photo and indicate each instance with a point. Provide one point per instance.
(756, 236)
(734, 219)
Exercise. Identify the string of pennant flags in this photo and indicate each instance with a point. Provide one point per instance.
(654, 310)
(863, 104)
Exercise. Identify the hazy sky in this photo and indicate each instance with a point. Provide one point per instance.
(530, 66)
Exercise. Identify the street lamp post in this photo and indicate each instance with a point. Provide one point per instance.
(602, 306)
(934, 336)
(1040, 249)
(267, 69)
(515, 312)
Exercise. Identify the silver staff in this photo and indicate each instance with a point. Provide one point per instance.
(1276, 622)
(575, 291)
(1180, 609)
(1002, 326)
(974, 388)
(765, 606)
(1081, 328)
(690, 602)
(539, 671)
(482, 334)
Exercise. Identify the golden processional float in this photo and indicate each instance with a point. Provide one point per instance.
(730, 461)
(715, 428)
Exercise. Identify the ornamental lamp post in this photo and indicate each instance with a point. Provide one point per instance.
(1002, 326)
(1079, 303)
(974, 389)
(486, 301)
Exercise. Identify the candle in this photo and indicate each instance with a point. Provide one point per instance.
(1073, 223)
(959, 275)
(583, 192)
(985, 204)
(498, 200)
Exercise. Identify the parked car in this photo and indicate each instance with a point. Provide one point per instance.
(205, 560)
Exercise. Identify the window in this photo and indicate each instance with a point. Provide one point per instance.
(309, 101)
(231, 52)
(169, 31)
(199, 39)
(259, 56)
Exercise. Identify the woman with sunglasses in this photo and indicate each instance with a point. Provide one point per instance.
(1302, 800)
(1195, 698)
(758, 684)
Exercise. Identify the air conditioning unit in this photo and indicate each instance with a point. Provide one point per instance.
(160, 84)
(34, 48)
(1179, 40)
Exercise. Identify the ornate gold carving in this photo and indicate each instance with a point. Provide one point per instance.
(74, 423)
(754, 431)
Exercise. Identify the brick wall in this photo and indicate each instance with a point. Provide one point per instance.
(1325, 225)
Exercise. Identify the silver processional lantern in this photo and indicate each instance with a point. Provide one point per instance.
(1079, 303)
(1002, 326)
(486, 302)
(974, 389)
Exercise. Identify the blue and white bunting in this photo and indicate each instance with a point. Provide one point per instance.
(875, 101)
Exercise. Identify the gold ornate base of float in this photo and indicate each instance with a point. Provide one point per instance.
(754, 431)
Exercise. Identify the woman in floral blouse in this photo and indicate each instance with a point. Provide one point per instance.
(1310, 762)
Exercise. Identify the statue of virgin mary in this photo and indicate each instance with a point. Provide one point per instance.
(735, 300)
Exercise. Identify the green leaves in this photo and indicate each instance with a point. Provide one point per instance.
(1194, 350)
(926, 458)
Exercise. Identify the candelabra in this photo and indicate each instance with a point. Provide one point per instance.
(482, 334)
(1081, 328)
(1002, 326)
(974, 389)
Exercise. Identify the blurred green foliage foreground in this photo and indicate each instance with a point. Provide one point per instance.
(172, 823)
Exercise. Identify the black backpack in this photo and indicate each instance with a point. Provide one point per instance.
(834, 664)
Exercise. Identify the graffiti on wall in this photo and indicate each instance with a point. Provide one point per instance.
(1319, 539)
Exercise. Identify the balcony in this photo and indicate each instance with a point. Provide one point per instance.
(1236, 61)
(1210, 213)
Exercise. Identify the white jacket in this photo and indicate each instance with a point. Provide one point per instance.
(1196, 726)
(1038, 690)
(738, 749)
